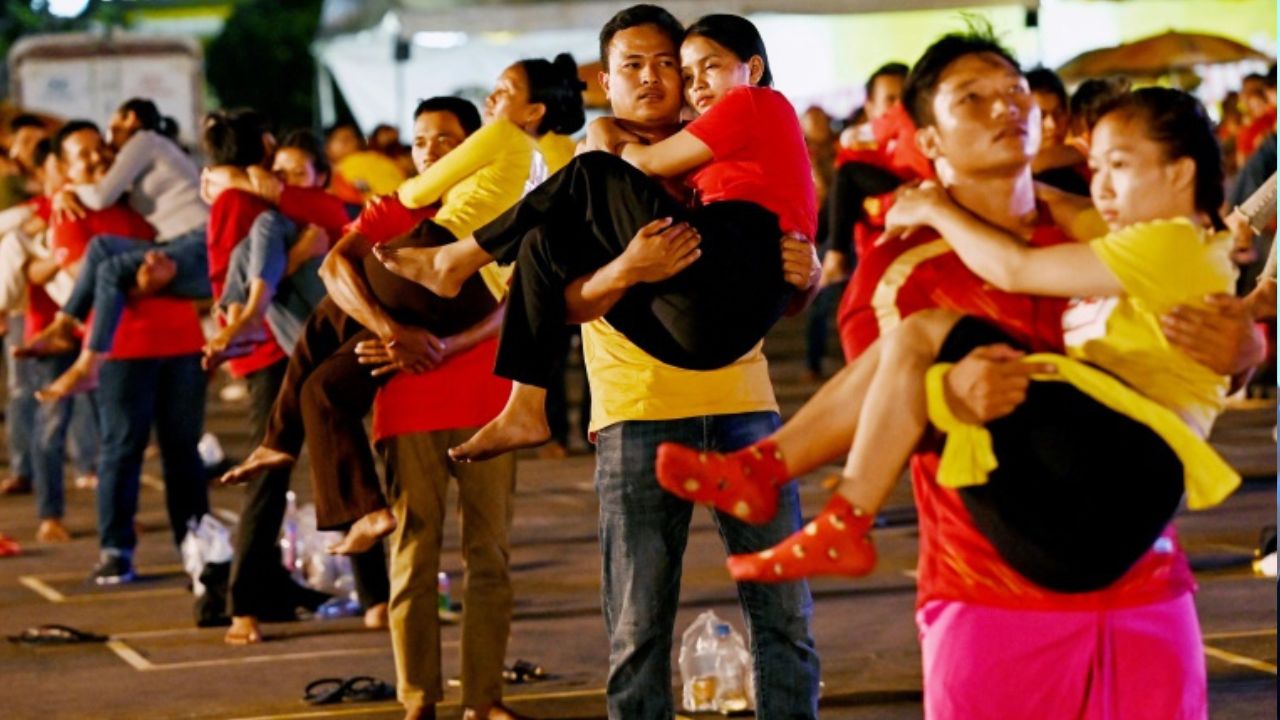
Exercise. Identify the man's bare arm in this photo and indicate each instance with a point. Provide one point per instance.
(344, 278)
(658, 251)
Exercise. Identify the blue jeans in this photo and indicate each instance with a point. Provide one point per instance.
(108, 270)
(264, 255)
(82, 436)
(20, 415)
(643, 533)
(133, 396)
(50, 441)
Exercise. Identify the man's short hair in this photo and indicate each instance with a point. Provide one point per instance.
(922, 82)
(234, 137)
(71, 128)
(42, 151)
(25, 120)
(893, 69)
(635, 16)
(1044, 80)
(464, 110)
(1093, 97)
(145, 110)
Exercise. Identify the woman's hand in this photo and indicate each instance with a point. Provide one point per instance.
(606, 135)
(67, 206)
(914, 207)
(265, 184)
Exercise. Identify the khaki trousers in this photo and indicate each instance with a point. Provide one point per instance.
(418, 471)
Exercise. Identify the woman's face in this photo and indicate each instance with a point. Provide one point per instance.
(510, 98)
(710, 70)
(1133, 181)
(295, 167)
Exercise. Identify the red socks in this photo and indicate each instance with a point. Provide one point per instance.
(743, 484)
(833, 543)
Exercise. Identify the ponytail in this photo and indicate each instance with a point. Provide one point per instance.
(556, 86)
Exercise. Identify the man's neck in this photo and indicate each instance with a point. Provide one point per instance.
(1006, 201)
(650, 132)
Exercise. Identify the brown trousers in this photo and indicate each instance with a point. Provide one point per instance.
(418, 471)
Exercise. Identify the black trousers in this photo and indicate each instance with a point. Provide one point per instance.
(1081, 491)
(259, 585)
(853, 183)
(583, 217)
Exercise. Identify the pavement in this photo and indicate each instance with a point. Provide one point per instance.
(158, 665)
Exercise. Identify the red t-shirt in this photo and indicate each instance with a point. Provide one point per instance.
(315, 206)
(1251, 135)
(957, 562)
(230, 218)
(151, 327)
(41, 309)
(463, 392)
(759, 156)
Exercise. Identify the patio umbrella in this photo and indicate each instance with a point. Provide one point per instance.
(1158, 55)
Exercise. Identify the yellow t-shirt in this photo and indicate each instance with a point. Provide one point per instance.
(1160, 264)
(557, 150)
(629, 384)
(372, 173)
(475, 183)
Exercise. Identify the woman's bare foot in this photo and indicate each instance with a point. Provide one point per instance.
(419, 710)
(375, 618)
(365, 533)
(82, 376)
(521, 424)
(262, 458)
(58, 338)
(244, 630)
(52, 530)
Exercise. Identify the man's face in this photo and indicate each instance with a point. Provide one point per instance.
(984, 117)
(1054, 120)
(1253, 98)
(295, 167)
(22, 148)
(122, 127)
(643, 82)
(885, 93)
(434, 135)
(82, 155)
(341, 143)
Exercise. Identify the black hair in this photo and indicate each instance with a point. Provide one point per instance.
(145, 110)
(1177, 122)
(306, 141)
(345, 125)
(635, 16)
(736, 34)
(72, 127)
(1271, 76)
(25, 120)
(1044, 80)
(168, 127)
(557, 87)
(922, 82)
(893, 69)
(464, 110)
(42, 151)
(1094, 95)
(234, 137)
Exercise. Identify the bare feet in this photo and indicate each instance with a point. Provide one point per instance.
(427, 266)
(493, 712)
(364, 533)
(14, 485)
(553, 451)
(87, 481)
(375, 618)
(58, 338)
(419, 710)
(244, 630)
(82, 376)
(521, 424)
(52, 530)
(262, 458)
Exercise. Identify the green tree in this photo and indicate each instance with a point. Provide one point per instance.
(262, 59)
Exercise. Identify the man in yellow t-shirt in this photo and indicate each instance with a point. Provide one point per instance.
(639, 402)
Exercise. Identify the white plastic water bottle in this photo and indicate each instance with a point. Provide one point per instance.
(289, 542)
(732, 674)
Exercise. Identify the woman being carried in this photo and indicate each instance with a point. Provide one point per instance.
(1136, 426)
(745, 161)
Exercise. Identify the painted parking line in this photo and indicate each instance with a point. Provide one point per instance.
(1241, 660)
(39, 584)
(1262, 632)
(398, 709)
(119, 645)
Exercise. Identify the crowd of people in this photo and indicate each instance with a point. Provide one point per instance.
(1037, 295)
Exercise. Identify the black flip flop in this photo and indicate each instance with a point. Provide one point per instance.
(55, 635)
(362, 688)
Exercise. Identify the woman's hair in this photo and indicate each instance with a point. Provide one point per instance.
(556, 86)
(234, 137)
(736, 34)
(145, 110)
(306, 141)
(1178, 123)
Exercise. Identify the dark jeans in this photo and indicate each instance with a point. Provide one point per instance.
(49, 445)
(643, 533)
(109, 268)
(260, 586)
(584, 216)
(20, 412)
(133, 397)
(853, 183)
(818, 325)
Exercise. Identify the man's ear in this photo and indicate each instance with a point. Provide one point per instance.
(602, 77)
(929, 142)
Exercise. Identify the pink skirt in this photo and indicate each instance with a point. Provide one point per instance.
(1130, 664)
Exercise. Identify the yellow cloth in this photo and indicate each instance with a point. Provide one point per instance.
(1160, 264)
(629, 384)
(372, 173)
(969, 457)
(475, 183)
(557, 151)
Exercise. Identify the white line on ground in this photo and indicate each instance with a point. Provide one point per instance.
(40, 588)
(131, 656)
(1240, 634)
(1235, 659)
(371, 709)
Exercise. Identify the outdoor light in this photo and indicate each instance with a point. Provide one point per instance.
(68, 8)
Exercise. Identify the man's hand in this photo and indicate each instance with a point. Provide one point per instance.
(379, 356)
(658, 251)
(1242, 251)
(415, 349)
(835, 269)
(1221, 337)
(989, 383)
(1262, 301)
(605, 134)
(800, 264)
(67, 206)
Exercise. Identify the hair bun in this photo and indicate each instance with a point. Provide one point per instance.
(568, 68)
